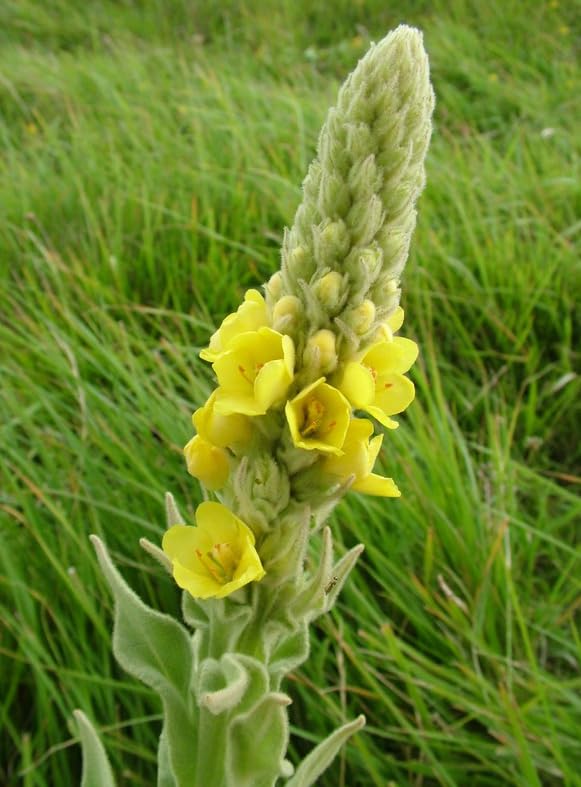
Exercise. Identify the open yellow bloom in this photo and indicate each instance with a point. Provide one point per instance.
(255, 373)
(221, 430)
(376, 383)
(318, 418)
(216, 557)
(250, 315)
(207, 462)
(359, 455)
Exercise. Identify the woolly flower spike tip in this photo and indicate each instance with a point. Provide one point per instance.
(351, 234)
(216, 557)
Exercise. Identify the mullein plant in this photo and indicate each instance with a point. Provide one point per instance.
(305, 373)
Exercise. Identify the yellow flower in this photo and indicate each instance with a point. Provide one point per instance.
(318, 418)
(255, 373)
(359, 455)
(376, 383)
(215, 558)
(207, 462)
(221, 430)
(250, 316)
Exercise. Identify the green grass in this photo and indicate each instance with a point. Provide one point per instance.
(151, 154)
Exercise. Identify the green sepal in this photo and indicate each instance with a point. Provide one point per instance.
(96, 768)
(283, 550)
(319, 759)
(310, 601)
(156, 649)
(341, 571)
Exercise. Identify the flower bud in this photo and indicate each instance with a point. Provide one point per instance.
(296, 262)
(207, 462)
(321, 352)
(285, 312)
(329, 289)
(370, 261)
(274, 285)
(361, 317)
(334, 238)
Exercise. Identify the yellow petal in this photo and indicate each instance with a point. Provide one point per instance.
(355, 460)
(383, 419)
(288, 354)
(207, 462)
(394, 357)
(374, 448)
(357, 384)
(235, 372)
(250, 316)
(221, 430)
(376, 485)
(393, 393)
(395, 320)
(197, 585)
(271, 384)
(179, 540)
(217, 520)
(230, 405)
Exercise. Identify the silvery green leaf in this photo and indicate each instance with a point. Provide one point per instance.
(156, 649)
(96, 768)
(156, 553)
(172, 512)
(257, 742)
(222, 683)
(319, 759)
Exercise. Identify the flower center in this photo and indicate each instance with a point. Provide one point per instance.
(220, 562)
(249, 375)
(313, 411)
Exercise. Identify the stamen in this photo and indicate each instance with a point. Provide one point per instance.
(314, 412)
(242, 371)
(219, 562)
(210, 565)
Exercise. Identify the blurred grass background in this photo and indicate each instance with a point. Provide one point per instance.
(151, 154)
